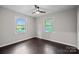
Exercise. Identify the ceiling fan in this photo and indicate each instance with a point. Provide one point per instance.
(37, 11)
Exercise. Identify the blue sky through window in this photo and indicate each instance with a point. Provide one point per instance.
(20, 21)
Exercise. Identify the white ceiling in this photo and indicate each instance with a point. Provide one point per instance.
(28, 9)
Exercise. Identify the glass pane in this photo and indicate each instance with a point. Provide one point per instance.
(48, 25)
(48, 22)
(20, 25)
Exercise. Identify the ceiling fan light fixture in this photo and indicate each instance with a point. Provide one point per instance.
(37, 12)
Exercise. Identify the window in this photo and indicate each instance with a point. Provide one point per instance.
(48, 25)
(20, 25)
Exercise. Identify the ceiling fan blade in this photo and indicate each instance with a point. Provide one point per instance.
(42, 11)
(33, 12)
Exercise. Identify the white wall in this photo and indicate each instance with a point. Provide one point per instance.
(78, 26)
(65, 25)
(8, 33)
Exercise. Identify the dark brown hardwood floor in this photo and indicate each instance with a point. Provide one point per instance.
(38, 46)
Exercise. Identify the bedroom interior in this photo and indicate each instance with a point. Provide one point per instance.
(39, 29)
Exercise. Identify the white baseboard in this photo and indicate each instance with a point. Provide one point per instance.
(59, 42)
(16, 41)
(37, 37)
